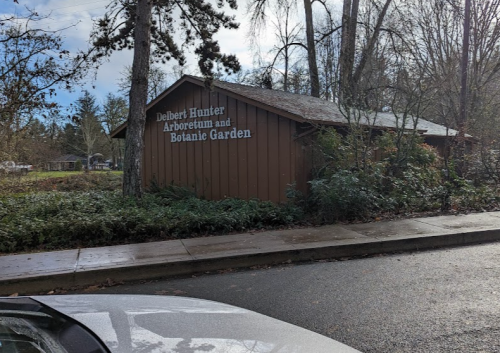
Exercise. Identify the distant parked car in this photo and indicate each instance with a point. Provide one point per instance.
(9, 167)
(142, 323)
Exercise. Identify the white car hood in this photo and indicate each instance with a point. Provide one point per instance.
(162, 324)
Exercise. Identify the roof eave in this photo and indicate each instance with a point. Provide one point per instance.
(120, 132)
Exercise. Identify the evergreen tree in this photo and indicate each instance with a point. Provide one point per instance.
(151, 27)
(70, 141)
(115, 111)
(89, 126)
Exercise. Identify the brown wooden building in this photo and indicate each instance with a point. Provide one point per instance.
(239, 141)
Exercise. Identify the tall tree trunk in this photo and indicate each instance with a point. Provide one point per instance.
(285, 78)
(311, 49)
(344, 43)
(353, 28)
(464, 65)
(287, 55)
(134, 142)
(120, 157)
(348, 49)
(462, 120)
(368, 51)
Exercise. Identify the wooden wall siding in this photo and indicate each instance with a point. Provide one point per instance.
(438, 144)
(258, 167)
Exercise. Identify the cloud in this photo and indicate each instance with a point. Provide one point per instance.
(77, 21)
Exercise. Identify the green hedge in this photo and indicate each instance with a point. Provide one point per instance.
(408, 176)
(58, 220)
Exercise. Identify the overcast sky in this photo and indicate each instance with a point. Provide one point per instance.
(78, 16)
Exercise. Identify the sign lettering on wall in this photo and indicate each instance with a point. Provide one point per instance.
(182, 125)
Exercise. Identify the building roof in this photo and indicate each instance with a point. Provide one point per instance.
(428, 128)
(321, 111)
(303, 108)
(68, 158)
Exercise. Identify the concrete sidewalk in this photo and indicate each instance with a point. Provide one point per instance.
(39, 272)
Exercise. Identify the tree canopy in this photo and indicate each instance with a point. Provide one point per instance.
(33, 64)
(194, 22)
(150, 28)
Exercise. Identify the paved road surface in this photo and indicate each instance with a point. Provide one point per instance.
(435, 301)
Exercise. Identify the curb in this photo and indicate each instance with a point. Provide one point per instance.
(47, 283)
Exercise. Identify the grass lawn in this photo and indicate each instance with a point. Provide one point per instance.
(57, 180)
(63, 174)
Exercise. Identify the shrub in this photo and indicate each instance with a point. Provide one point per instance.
(171, 192)
(90, 182)
(407, 177)
(416, 189)
(78, 165)
(58, 220)
(471, 197)
(343, 196)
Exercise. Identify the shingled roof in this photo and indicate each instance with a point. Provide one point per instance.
(305, 108)
(68, 158)
(321, 111)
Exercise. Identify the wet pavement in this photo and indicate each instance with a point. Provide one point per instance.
(38, 272)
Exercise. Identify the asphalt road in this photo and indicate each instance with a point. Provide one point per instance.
(434, 301)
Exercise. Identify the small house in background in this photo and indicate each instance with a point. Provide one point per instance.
(66, 163)
(240, 141)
